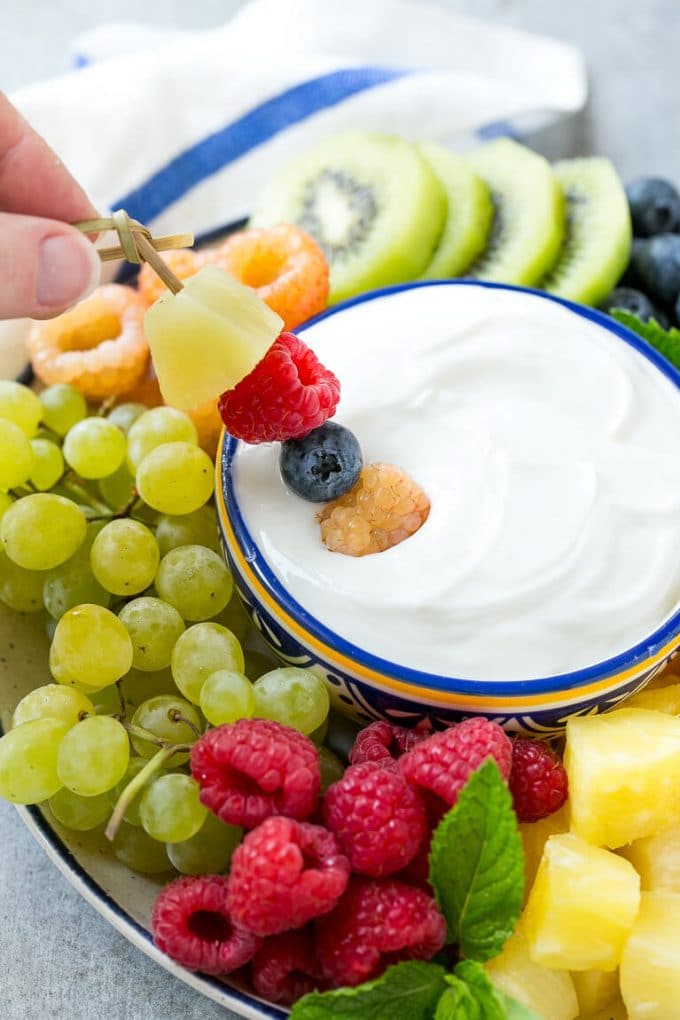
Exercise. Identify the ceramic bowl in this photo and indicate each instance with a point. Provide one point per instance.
(368, 687)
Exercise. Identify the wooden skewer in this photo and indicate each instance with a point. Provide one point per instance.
(137, 244)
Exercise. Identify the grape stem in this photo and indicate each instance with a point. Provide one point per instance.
(174, 715)
(151, 738)
(82, 496)
(121, 697)
(126, 798)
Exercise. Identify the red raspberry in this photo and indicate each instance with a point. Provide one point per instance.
(383, 742)
(254, 768)
(192, 924)
(374, 925)
(538, 780)
(285, 968)
(378, 818)
(442, 764)
(283, 874)
(287, 394)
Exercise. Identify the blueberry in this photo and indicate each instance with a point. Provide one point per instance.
(631, 300)
(657, 264)
(654, 206)
(323, 465)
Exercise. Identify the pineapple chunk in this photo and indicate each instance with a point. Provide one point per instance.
(549, 993)
(534, 835)
(650, 968)
(595, 989)
(582, 906)
(661, 699)
(614, 1011)
(657, 860)
(205, 339)
(624, 775)
(663, 679)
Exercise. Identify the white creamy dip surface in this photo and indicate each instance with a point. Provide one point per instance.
(549, 450)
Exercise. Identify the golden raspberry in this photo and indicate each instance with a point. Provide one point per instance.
(384, 507)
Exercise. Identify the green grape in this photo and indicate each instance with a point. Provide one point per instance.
(227, 696)
(94, 448)
(292, 696)
(176, 478)
(194, 580)
(124, 557)
(331, 767)
(20, 590)
(41, 531)
(5, 503)
(94, 756)
(28, 761)
(63, 407)
(16, 455)
(139, 852)
(91, 648)
(319, 734)
(80, 814)
(48, 464)
(53, 701)
(209, 852)
(20, 405)
(50, 626)
(200, 651)
(140, 685)
(117, 489)
(125, 415)
(154, 627)
(198, 528)
(105, 701)
(73, 584)
(135, 766)
(157, 716)
(236, 618)
(157, 426)
(170, 809)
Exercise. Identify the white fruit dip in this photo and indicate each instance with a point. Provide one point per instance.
(549, 450)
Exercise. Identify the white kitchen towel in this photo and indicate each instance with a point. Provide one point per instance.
(182, 128)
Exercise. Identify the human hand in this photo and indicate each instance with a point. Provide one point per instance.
(45, 264)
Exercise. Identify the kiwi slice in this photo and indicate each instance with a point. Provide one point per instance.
(371, 201)
(599, 232)
(528, 224)
(469, 212)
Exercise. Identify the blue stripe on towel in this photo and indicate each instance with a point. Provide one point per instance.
(260, 124)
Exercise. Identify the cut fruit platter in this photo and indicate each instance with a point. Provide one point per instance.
(228, 691)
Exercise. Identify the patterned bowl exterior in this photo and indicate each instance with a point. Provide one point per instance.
(366, 687)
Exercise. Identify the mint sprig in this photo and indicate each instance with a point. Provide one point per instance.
(477, 866)
(409, 990)
(665, 341)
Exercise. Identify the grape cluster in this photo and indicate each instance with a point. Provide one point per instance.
(108, 528)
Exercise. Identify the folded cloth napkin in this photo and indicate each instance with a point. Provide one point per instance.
(182, 128)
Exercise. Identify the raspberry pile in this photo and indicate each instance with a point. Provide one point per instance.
(328, 890)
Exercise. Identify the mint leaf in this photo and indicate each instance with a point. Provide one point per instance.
(457, 1002)
(408, 990)
(665, 341)
(477, 865)
(515, 1010)
(487, 997)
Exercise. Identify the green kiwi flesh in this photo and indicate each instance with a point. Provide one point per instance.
(528, 225)
(598, 231)
(371, 201)
(469, 213)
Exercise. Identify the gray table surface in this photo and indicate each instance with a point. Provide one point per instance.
(58, 958)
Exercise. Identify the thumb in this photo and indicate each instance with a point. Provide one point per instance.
(45, 267)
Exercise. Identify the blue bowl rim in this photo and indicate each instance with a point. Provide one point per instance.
(419, 678)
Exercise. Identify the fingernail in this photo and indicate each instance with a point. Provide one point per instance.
(69, 270)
